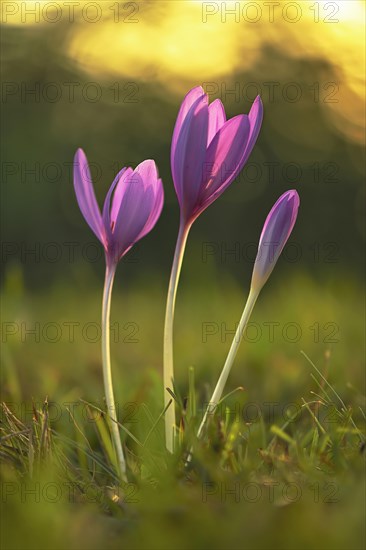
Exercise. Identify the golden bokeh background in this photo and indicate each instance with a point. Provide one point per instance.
(175, 42)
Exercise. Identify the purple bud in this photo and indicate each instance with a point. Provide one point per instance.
(276, 231)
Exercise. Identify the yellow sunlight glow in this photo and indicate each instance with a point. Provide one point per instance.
(184, 42)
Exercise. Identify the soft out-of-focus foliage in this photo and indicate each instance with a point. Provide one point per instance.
(53, 341)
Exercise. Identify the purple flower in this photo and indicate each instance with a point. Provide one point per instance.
(275, 233)
(209, 151)
(136, 205)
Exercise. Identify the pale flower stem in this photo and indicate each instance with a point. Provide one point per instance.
(107, 372)
(170, 421)
(216, 396)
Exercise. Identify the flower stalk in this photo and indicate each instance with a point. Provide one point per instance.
(217, 394)
(107, 371)
(275, 233)
(170, 421)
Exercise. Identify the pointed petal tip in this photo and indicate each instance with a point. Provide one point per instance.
(293, 194)
(148, 170)
(194, 93)
(198, 89)
(79, 154)
(257, 107)
(146, 163)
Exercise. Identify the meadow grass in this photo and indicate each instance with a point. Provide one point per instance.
(281, 464)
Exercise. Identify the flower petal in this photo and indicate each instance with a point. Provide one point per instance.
(192, 98)
(255, 120)
(106, 215)
(188, 161)
(118, 194)
(156, 210)
(224, 157)
(148, 172)
(85, 195)
(216, 119)
(188, 101)
(236, 142)
(135, 208)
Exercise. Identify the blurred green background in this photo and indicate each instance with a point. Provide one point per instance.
(110, 78)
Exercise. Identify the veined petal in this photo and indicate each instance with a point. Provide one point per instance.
(148, 172)
(107, 217)
(118, 194)
(224, 157)
(85, 195)
(188, 162)
(156, 210)
(188, 101)
(134, 211)
(255, 119)
(237, 156)
(216, 119)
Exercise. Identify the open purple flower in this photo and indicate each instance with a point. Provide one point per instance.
(128, 216)
(275, 233)
(134, 210)
(209, 151)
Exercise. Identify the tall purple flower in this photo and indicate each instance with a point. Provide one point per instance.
(209, 151)
(131, 209)
(127, 217)
(207, 154)
(275, 233)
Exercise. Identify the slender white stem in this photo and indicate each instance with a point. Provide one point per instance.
(107, 372)
(170, 422)
(216, 396)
